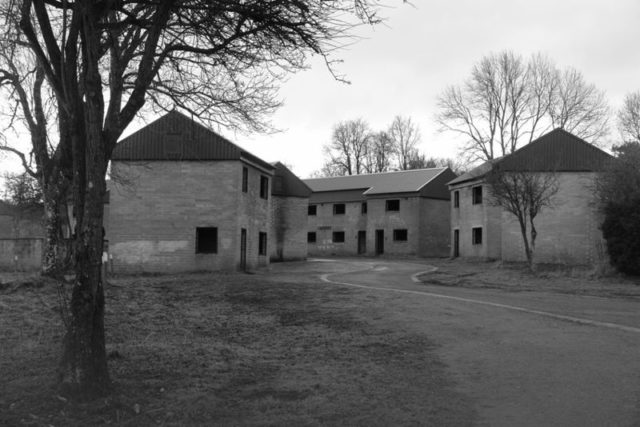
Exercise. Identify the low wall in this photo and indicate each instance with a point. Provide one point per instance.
(21, 254)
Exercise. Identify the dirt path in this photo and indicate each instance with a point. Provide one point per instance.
(524, 358)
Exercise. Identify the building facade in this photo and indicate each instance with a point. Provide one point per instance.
(185, 199)
(568, 230)
(397, 213)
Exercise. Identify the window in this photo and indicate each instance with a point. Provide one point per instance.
(206, 240)
(311, 237)
(262, 243)
(312, 210)
(393, 205)
(476, 235)
(245, 180)
(338, 209)
(363, 208)
(456, 199)
(400, 235)
(264, 187)
(338, 237)
(476, 195)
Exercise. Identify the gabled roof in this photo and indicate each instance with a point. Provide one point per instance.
(558, 151)
(175, 136)
(286, 183)
(378, 183)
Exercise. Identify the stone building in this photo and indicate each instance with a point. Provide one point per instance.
(398, 213)
(183, 198)
(568, 231)
(21, 235)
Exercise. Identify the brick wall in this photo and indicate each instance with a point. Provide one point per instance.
(152, 220)
(568, 232)
(324, 223)
(407, 218)
(468, 216)
(435, 223)
(288, 228)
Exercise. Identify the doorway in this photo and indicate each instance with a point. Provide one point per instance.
(243, 249)
(456, 243)
(362, 242)
(379, 242)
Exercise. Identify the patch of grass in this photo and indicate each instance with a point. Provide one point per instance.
(230, 349)
(517, 277)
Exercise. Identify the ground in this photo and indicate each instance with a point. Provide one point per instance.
(342, 342)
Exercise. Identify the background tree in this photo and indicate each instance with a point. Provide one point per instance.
(619, 192)
(629, 118)
(405, 136)
(380, 152)
(221, 61)
(524, 194)
(348, 150)
(507, 102)
(22, 190)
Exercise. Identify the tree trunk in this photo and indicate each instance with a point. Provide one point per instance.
(525, 239)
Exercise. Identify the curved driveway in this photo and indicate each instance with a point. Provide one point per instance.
(524, 358)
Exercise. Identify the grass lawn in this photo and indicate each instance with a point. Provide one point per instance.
(204, 349)
(516, 277)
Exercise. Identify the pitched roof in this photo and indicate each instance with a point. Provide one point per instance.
(378, 183)
(286, 183)
(558, 151)
(175, 136)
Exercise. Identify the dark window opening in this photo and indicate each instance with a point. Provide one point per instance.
(312, 210)
(338, 237)
(311, 237)
(264, 187)
(393, 205)
(363, 208)
(339, 209)
(456, 199)
(476, 195)
(245, 180)
(476, 235)
(206, 240)
(400, 235)
(262, 243)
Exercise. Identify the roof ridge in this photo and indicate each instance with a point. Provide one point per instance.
(378, 173)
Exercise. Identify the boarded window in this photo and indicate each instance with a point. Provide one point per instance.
(363, 208)
(339, 209)
(456, 199)
(476, 195)
(312, 210)
(400, 235)
(393, 205)
(206, 240)
(338, 237)
(262, 243)
(311, 237)
(264, 187)
(476, 235)
(245, 180)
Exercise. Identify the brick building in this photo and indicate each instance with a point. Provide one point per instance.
(186, 199)
(401, 213)
(568, 231)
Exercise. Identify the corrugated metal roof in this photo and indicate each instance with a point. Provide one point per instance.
(286, 183)
(175, 136)
(558, 151)
(378, 183)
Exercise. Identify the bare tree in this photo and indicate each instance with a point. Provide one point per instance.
(508, 102)
(104, 60)
(405, 136)
(380, 152)
(348, 149)
(523, 193)
(629, 118)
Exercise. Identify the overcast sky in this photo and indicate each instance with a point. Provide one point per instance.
(401, 67)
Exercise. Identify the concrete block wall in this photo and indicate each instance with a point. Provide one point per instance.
(568, 232)
(152, 221)
(20, 254)
(435, 223)
(468, 216)
(288, 228)
(324, 223)
(408, 217)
